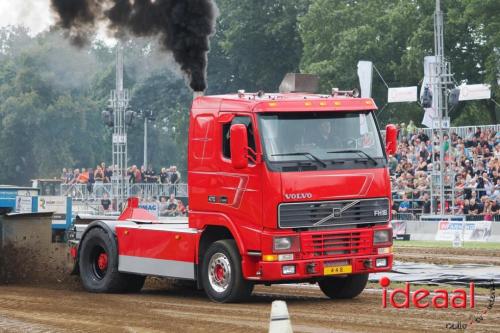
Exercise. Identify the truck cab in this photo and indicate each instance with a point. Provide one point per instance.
(288, 187)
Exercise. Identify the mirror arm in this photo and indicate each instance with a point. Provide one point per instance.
(255, 158)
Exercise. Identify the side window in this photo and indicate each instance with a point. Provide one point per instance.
(245, 120)
(202, 137)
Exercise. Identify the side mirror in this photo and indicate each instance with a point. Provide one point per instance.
(239, 146)
(391, 139)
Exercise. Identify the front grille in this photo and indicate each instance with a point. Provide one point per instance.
(342, 213)
(322, 244)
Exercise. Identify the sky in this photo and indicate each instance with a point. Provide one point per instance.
(36, 16)
(33, 14)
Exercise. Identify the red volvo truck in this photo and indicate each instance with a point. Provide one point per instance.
(283, 188)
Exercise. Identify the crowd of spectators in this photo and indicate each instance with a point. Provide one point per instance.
(94, 179)
(135, 175)
(472, 181)
(166, 205)
(472, 165)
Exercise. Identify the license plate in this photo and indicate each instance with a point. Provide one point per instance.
(332, 270)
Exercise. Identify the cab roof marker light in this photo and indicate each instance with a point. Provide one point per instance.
(308, 103)
(337, 103)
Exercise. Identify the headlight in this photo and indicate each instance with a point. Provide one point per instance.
(382, 236)
(288, 243)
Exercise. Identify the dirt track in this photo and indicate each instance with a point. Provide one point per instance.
(32, 309)
(448, 255)
(62, 306)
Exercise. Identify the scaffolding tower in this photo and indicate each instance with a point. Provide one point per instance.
(119, 100)
(441, 177)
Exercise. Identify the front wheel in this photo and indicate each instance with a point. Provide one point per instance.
(345, 287)
(221, 273)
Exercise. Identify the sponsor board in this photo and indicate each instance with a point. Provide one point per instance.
(402, 94)
(472, 92)
(398, 227)
(468, 230)
(54, 204)
(151, 207)
(24, 204)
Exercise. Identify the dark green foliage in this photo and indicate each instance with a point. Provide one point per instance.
(52, 94)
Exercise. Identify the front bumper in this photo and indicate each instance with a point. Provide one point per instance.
(273, 271)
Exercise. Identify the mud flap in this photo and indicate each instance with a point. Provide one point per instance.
(72, 258)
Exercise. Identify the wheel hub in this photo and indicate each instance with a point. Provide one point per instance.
(219, 272)
(102, 261)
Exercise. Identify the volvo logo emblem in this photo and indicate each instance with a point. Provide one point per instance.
(296, 196)
(336, 213)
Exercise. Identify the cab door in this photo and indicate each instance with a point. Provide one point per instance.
(238, 193)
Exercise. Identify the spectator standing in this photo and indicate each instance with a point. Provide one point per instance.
(163, 206)
(164, 176)
(108, 174)
(150, 175)
(64, 176)
(91, 180)
(172, 205)
(106, 203)
(175, 176)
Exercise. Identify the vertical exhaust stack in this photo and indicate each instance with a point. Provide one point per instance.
(198, 94)
(296, 82)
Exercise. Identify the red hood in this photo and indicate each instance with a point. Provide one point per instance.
(339, 184)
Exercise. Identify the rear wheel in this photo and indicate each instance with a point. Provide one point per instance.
(221, 274)
(345, 287)
(98, 263)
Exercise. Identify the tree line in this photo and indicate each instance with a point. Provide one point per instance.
(52, 94)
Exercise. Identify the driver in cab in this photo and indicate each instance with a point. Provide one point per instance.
(324, 136)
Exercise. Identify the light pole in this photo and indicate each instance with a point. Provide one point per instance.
(147, 115)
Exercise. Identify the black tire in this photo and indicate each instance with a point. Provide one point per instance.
(344, 288)
(223, 256)
(103, 280)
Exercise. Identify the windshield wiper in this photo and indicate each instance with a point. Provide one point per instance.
(355, 151)
(311, 156)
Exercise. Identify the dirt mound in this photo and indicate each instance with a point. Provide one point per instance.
(27, 266)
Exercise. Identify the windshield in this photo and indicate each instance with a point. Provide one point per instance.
(320, 137)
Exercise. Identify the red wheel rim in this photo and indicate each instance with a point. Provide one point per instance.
(102, 261)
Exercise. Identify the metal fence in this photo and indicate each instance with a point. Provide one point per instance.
(452, 195)
(463, 131)
(146, 191)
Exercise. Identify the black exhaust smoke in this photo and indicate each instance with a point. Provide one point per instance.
(183, 26)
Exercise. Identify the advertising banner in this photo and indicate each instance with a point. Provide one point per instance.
(398, 227)
(467, 230)
(402, 94)
(152, 207)
(365, 74)
(473, 92)
(54, 204)
(24, 204)
(428, 81)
